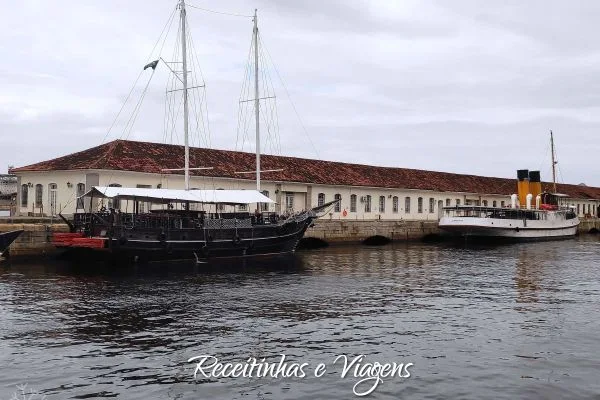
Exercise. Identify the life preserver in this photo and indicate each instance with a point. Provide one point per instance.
(345, 213)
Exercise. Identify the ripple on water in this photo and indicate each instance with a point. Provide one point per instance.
(496, 322)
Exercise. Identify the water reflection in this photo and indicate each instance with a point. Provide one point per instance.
(473, 319)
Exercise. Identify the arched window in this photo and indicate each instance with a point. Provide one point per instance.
(368, 203)
(395, 204)
(407, 205)
(24, 195)
(431, 205)
(353, 203)
(321, 199)
(485, 203)
(502, 203)
(39, 195)
(338, 205)
(114, 203)
(382, 204)
(458, 202)
(420, 205)
(448, 202)
(80, 193)
(264, 206)
(494, 203)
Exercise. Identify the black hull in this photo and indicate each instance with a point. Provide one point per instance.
(6, 238)
(199, 245)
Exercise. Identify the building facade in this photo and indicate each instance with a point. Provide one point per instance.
(366, 192)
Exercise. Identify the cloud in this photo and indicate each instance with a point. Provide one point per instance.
(437, 85)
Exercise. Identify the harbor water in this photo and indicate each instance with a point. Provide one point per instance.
(492, 322)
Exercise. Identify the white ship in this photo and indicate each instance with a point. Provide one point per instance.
(532, 214)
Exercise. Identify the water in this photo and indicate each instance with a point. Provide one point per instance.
(517, 321)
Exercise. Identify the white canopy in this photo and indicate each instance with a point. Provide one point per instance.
(168, 195)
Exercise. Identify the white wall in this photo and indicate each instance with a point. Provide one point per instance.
(66, 195)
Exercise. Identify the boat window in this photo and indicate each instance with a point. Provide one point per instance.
(353, 203)
(395, 204)
(321, 199)
(382, 204)
(338, 205)
(24, 195)
(420, 205)
(407, 205)
(431, 204)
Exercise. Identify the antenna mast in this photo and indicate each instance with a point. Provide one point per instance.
(256, 100)
(554, 162)
(185, 96)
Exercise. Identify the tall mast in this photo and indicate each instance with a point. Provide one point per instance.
(185, 96)
(553, 161)
(256, 100)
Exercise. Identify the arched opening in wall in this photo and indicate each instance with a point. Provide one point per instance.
(321, 199)
(52, 195)
(376, 240)
(338, 206)
(310, 243)
(24, 195)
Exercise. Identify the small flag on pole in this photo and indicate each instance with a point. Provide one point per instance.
(151, 65)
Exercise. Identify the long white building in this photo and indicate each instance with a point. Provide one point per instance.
(366, 192)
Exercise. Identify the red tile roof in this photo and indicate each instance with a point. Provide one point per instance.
(125, 155)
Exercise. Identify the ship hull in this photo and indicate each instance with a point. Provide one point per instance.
(194, 244)
(6, 239)
(509, 229)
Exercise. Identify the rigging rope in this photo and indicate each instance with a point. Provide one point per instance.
(219, 12)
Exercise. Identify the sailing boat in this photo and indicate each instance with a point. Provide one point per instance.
(166, 232)
(550, 217)
(6, 238)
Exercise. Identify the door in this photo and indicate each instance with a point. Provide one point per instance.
(52, 198)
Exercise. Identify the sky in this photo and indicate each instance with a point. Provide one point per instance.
(459, 86)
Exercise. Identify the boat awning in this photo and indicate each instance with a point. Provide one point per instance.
(169, 195)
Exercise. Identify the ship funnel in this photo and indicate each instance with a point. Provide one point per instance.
(535, 184)
(523, 186)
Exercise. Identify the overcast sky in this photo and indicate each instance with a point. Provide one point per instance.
(459, 86)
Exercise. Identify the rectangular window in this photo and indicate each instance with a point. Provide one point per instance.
(420, 205)
(431, 205)
(458, 202)
(353, 203)
(395, 204)
(407, 205)
(264, 206)
(289, 201)
(368, 203)
(448, 202)
(502, 204)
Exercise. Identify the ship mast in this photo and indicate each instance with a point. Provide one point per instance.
(554, 162)
(185, 95)
(256, 100)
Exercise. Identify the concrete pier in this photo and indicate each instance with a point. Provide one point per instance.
(37, 235)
